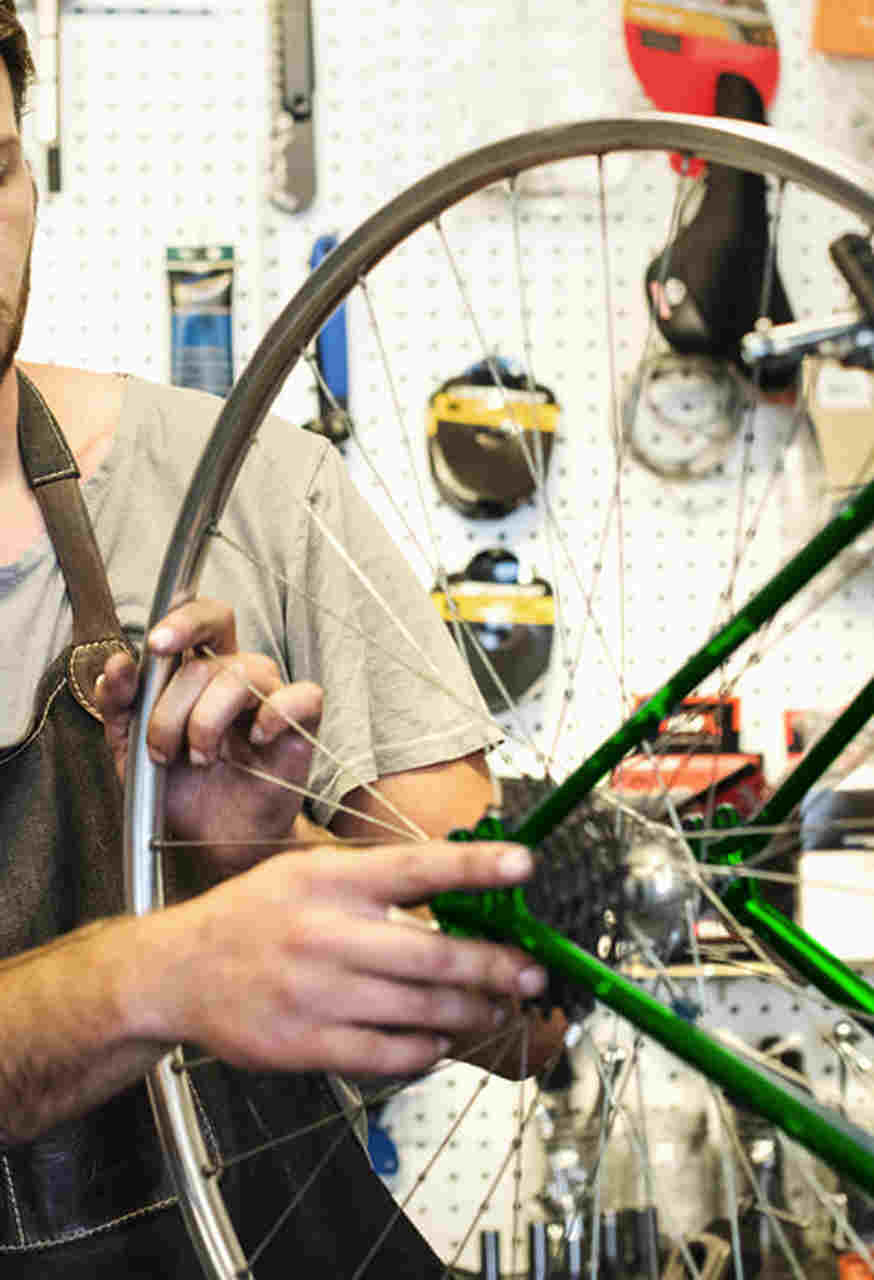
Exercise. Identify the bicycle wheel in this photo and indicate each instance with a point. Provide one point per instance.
(608, 549)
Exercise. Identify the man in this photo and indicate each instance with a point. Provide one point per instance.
(285, 963)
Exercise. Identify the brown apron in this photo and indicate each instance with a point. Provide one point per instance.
(92, 1198)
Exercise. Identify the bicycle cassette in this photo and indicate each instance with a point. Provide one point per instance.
(503, 627)
(577, 886)
(490, 435)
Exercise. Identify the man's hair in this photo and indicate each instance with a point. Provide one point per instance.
(15, 52)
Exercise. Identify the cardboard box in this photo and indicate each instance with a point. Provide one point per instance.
(841, 406)
(844, 27)
(692, 782)
(696, 761)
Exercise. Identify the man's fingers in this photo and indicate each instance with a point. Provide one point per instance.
(116, 688)
(202, 701)
(169, 720)
(368, 884)
(233, 689)
(407, 875)
(365, 1051)
(349, 996)
(290, 704)
(200, 621)
(417, 977)
(114, 692)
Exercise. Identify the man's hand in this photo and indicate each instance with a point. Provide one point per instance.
(207, 717)
(299, 963)
(302, 962)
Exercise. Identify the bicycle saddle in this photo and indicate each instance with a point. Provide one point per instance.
(705, 289)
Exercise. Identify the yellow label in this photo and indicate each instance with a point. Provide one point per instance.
(501, 610)
(703, 22)
(514, 415)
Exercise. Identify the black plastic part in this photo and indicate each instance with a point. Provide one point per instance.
(54, 169)
(721, 259)
(611, 1248)
(519, 653)
(646, 1237)
(854, 258)
(573, 1257)
(750, 1246)
(495, 564)
(562, 1075)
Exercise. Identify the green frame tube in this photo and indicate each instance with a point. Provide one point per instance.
(776, 931)
(503, 914)
(853, 518)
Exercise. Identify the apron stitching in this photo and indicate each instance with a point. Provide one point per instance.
(10, 1188)
(80, 693)
(66, 474)
(82, 1233)
(37, 729)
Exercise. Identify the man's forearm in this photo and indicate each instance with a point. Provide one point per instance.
(67, 1042)
(290, 966)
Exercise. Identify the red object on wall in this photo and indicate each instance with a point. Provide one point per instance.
(678, 54)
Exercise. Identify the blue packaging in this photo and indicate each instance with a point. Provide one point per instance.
(201, 282)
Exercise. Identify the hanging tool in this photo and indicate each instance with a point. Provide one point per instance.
(294, 178)
(332, 364)
(48, 98)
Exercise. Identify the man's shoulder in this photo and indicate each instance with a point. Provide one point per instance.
(192, 413)
(164, 429)
(87, 406)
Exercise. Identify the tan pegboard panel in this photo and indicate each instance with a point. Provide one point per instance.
(164, 143)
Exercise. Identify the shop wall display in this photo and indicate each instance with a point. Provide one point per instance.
(168, 137)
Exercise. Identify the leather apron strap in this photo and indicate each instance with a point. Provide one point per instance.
(53, 476)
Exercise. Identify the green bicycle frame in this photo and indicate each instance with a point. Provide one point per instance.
(503, 914)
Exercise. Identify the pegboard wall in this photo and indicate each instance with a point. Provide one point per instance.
(669, 1113)
(166, 122)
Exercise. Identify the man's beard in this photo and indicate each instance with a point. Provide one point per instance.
(11, 330)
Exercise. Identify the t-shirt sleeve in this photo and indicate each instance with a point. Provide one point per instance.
(398, 695)
(316, 583)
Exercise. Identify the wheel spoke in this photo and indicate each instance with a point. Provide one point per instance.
(594, 635)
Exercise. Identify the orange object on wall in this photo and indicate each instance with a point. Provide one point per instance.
(844, 26)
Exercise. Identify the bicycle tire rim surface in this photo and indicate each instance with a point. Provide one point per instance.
(751, 147)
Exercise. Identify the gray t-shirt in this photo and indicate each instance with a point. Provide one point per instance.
(296, 599)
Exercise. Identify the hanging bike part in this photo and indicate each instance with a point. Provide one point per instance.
(490, 435)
